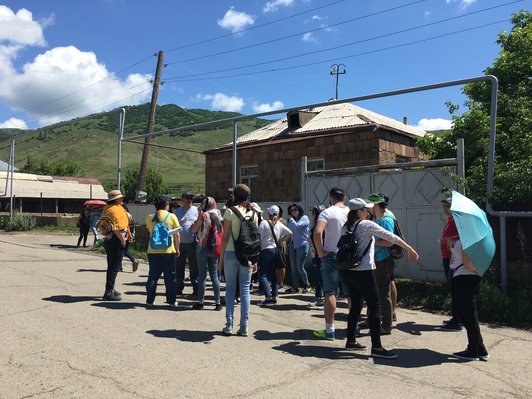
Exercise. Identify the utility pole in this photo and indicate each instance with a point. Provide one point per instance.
(141, 183)
(337, 69)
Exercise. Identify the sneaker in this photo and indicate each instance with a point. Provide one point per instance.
(149, 305)
(268, 302)
(242, 331)
(118, 294)
(198, 306)
(111, 296)
(324, 335)
(483, 353)
(341, 298)
(354, 345)
(173, 304)
(466, 355)
(135, 266)
(228, 329)
(316, 305)
(382, 353)
(306, 290)
(452, 327)
(394, 317)
(451, 321)
(292, 290)
(363, 325)
(218, 306)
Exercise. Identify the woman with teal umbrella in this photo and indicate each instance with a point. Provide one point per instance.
(471, 256)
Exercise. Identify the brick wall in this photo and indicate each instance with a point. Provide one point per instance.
(278, 163)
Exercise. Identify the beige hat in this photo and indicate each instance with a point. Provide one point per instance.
(114, 195)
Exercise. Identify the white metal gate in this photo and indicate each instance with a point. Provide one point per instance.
(415, 194)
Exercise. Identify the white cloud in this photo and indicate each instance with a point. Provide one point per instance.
(435, 124)
(259, 108)
(223, 102)
(235, 21)
(308, 37)
(274, 5)
(428, 13)
(13, 123)
(463, 4)
(20, 28)
(317, 18)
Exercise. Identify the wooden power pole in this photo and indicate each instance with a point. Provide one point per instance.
(141, 183)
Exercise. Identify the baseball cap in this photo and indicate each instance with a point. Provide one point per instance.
(187, 194)
(255, 207)
(273, 210)
(376, 198)
(241, 190)
(358, 203)
(447, 201)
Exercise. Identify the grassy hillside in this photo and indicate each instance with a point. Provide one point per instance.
(92, 142)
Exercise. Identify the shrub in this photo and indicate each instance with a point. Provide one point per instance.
(21, 223)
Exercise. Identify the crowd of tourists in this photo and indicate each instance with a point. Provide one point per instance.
(353, 243)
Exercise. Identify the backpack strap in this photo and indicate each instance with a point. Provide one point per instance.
(240, 217)
(273, 234)
(166, 218)
(370, 241)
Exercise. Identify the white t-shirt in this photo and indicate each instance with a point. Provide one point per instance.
(335, 217)
(266, 238)
(457, 264)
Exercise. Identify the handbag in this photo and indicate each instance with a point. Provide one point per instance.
(282, 254)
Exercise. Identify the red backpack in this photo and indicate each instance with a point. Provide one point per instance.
(214, 241)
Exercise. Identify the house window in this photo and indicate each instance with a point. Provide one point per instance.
(315, 164)
(401, 159)
(248, 176)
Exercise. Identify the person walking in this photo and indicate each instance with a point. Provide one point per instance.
(208, 228)
(84, 224)
(272, 234)
(448, 236)
(233, 269)
(114, 225)
(360, 280)
(162, 260)
(187, 215)
(298, 247)
(330, 222)
(466, 282)
(316, 262)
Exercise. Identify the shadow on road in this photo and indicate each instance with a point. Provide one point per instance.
(323, 352)
(91, 270)
(412, 328)
(71, 299)
(65, 246)
(186, 335)
(121, 305)
(263, 335)
(415, 358)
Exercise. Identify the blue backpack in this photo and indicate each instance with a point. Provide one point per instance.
(160, 239)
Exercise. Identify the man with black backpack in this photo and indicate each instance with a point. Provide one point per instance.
(239, 254)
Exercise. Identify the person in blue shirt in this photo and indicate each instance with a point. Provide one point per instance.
(187, 215)
(298, 248)
(384, 261)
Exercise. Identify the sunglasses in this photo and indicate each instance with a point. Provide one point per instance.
(294, 210)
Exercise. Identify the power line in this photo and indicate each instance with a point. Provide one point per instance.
(343, 57)
(345, 44)
(299, 33)
(252, 27)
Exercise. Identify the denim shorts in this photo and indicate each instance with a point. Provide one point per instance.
(330, 274)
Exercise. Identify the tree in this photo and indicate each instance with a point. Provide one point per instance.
(53, 168)
(513, 157)
(154, 184)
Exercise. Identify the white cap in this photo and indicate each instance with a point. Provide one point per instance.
(255, 207)
(358, 203)
(273, 210)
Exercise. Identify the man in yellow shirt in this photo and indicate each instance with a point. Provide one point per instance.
(114, 225)
(162, 260)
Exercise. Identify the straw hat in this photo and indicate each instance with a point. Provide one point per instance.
(114, 195)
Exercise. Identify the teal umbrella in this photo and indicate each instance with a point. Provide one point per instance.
(474, 230)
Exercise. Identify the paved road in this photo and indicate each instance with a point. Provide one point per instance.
(59, 340)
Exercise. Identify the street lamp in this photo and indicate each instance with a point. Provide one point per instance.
(337, 69)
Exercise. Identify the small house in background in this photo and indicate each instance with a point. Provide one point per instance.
(48, 194)
(331, 137)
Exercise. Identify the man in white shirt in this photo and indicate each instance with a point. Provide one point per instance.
(330, 222)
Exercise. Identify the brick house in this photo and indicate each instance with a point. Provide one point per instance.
(331, 137)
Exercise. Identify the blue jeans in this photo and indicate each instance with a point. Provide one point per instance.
(331, 276)
(318, 283)
(207, 262)
(268, 269)
(159, 264)
(298, 256)
(232, 269)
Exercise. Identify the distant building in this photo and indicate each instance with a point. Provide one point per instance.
(331, 137)
(48, 194)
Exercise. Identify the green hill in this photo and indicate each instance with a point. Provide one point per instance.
(92, 142)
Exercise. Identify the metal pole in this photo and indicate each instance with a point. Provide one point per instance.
(504, 268)
(11, 168)
(460, 162)
(302, 183)
(121, 121)
(235, 130)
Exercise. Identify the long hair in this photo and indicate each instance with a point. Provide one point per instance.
(208, 205)
(352, 218)
(298, 207)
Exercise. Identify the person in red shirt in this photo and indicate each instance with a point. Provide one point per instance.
(449, 235)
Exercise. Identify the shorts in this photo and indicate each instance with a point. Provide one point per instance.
(330, 274)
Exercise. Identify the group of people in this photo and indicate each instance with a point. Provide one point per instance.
(219, 243)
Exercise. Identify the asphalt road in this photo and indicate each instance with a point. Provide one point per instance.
(59, 340)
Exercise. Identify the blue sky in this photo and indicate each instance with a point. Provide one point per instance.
(64, 59)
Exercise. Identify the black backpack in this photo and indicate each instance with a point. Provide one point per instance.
(396, 251)
(247, 244)
(347, 255)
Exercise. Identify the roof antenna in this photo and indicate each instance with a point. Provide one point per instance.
(337, 69)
